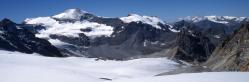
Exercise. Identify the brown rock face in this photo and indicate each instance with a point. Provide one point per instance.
(233, 53)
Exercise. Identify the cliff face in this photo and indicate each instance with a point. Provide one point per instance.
(193, 47)
(233, 53)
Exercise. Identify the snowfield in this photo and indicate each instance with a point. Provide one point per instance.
(195, 77)
(20, 67)
(70, 29)
(35, 68)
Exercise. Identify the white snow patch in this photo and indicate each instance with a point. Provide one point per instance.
(145, 19)
(172, 29)
(216, 36)
(57, 42)
(155, 42)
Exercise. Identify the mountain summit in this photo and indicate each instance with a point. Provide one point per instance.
(73, 14)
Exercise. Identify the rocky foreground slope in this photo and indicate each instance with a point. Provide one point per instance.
(233, 53)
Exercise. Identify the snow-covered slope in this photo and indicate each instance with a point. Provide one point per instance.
(71, 29)
(34, 68)
(20, 67)
(195, 77)
(217, 19)
(154, 21)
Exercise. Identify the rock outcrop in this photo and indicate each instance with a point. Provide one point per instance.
(233, 53)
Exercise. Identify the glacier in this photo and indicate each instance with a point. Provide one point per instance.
(21, 67)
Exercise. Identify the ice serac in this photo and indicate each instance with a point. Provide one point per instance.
(232, 54)
(14, 37)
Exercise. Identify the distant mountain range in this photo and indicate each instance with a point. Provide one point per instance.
(79, 33)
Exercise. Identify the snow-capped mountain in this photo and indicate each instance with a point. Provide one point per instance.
(59, 24)
(71, 29)
(86, 33)
(216, 19)
(73, 14)
(80, 33)
(154, 21)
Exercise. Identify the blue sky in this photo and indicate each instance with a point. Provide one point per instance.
(169, 10)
